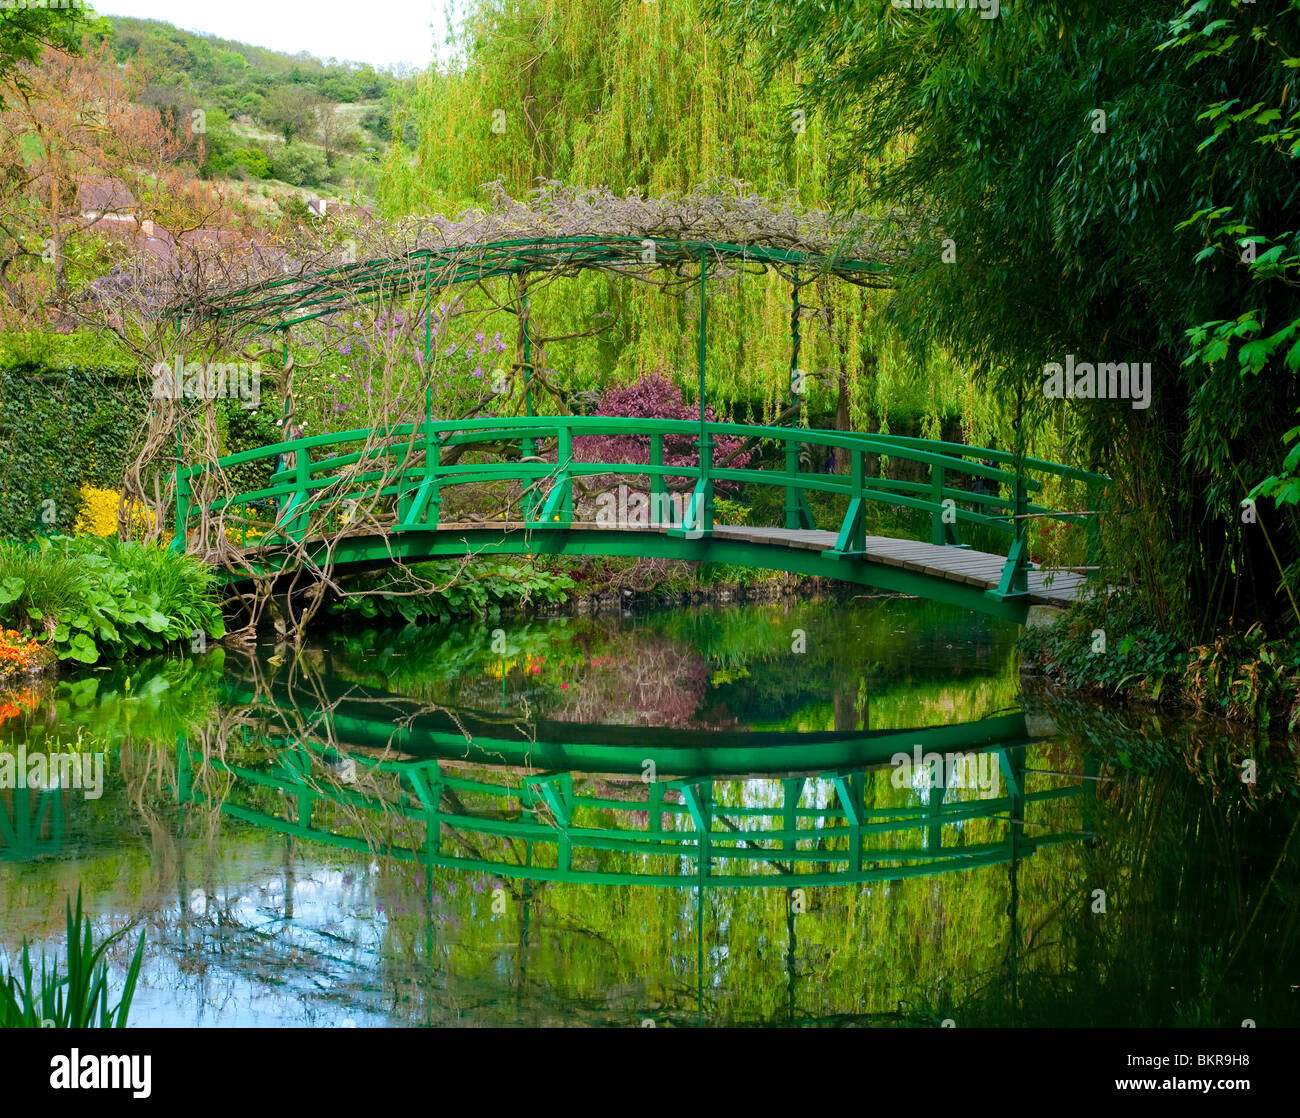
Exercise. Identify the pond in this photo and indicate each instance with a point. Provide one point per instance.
(844, 811)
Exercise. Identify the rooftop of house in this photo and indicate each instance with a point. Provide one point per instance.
(105, 195)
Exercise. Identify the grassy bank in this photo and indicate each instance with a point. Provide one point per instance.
(1108, 649)
(442, 590)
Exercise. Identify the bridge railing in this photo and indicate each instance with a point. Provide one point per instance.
(404, 470)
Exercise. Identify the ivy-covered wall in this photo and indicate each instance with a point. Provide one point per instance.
(60, 429)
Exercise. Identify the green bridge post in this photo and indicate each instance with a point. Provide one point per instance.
(564, 459)
(1014, 582)
(558, 506)
(661, 512)
(183, 495)
(527, 448)
(699, 520)
(297, 527)
(797, 513)
(1093, 526)
(941, 531)
(852, 539)
(1020, 580)
(432, 463)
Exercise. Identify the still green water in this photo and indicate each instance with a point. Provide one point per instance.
(670, 818)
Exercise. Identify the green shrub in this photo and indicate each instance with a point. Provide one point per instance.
(254, 161)
(62, 428)
(37, 584)
(482, 588)
(297, 164)
(730, 512)
(1108, 646)
(102, 598)
(238, 163)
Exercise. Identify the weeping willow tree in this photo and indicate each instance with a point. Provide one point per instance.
(643, 98)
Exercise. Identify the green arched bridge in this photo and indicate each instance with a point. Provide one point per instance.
(362, 499)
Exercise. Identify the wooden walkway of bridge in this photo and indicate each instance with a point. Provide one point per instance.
(981, 569)
(973, 568)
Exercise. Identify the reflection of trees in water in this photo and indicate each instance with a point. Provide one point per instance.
(222, 928)
(569, 669)
(1199, 927)
(149, 770)
(916, 662)
(603, 953)
(985, 946)
(647, 682)
(1183, 876)
(1200, 876)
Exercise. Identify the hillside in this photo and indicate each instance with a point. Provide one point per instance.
(267, 115)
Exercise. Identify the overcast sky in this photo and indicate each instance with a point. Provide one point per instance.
(382, 32)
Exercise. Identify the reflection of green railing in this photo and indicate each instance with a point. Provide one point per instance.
(403, 466)
(368, 718)
(674, 833)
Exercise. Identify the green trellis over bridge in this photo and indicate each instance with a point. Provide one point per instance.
(402, 473)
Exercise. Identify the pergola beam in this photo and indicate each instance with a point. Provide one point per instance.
(271, 304)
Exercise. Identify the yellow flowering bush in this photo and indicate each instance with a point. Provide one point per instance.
(97, 515)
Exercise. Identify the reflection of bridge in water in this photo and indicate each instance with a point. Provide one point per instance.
(621, 805)
(540, 804)
(736, 825)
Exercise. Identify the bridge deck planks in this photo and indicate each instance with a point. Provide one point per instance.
(959, 564)
(975, 568)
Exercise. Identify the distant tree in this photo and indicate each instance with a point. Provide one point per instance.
(330, 129)
(84, 127)
(254, 162)
(379, 120)
(176, 105)
(297, 164)
(291, 110)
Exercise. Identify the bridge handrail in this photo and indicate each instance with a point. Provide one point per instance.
(416, 481)
(1040, 465)
(951, 455)
(863, 839)
(407, 439)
